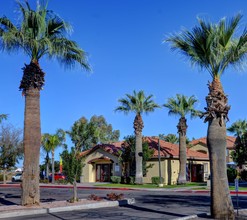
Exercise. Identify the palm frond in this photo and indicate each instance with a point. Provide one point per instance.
(238, 128)
(41, 32)
(181, 105)
(212, 46)
(138, 103)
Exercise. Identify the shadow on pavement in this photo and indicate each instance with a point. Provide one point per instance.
(6, 202)
(151, 210)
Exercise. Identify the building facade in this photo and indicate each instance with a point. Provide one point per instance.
(102, 162)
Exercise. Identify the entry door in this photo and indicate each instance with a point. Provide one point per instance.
(197, 173)
(102, 172)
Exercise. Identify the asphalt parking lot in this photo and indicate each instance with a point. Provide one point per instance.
(150, 204)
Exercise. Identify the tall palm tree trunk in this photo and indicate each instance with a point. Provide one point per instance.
(32, 141)
(182, 127)
(217, 110)
(138, 126)
(47, 171)
(52, 165)
(220, 195)
(47, 165)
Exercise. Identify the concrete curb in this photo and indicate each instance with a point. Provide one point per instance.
(37, 211)
(16, 213)
(232, 192)
(187, 217)
(184, 190)
(242, 215)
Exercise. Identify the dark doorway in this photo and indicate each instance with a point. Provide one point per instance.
(197, 173)
(103, 172)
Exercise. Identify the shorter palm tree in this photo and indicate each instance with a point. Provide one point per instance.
(2, 117)
(47, 148)
(238, 128)
(137, 103)
(182, 105)
(50, 143)
(171, 138)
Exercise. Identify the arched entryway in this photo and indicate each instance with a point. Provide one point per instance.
(103, 168)
(103, 172)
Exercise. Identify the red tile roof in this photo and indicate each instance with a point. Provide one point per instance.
(171, 150)
(229, 141)
(110, 148)
(167, 149)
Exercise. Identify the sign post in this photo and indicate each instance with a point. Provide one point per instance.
(236, 189)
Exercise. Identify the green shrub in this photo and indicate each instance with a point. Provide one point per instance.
(231, 174)
(115, 179)
(61, 181)
(243, 175)
(123, 180)
(8, 176)
(156, 180)
(44, 181)
(130, 180)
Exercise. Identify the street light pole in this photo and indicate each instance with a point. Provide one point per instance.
(159, 160)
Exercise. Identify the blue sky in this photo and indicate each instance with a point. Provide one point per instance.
(123, 39)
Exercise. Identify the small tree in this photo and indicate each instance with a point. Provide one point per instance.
(72, 168)
(11, 147)
(86, 134)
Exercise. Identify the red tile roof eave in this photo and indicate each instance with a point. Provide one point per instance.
(230, 141)
(198, 158)
(167, 150)
(101, 146)
(188, 158)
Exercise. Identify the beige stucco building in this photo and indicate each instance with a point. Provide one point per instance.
(102, 162)
(200, 145)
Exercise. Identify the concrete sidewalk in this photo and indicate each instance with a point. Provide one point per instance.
(58, 206)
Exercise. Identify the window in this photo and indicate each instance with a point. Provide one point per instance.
(205, 165)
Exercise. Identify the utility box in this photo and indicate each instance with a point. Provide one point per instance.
(81, 179)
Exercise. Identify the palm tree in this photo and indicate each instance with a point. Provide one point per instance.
(171, 138)
(50, 143)
(138, 103)
(215, 47)
(47, 148)
(182, 106)
(238, 128)
(40, 33)
(2, 117)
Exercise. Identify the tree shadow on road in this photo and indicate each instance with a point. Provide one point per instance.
(6, 202)
(151, 210)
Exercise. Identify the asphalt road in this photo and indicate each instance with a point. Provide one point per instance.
(149, 204)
